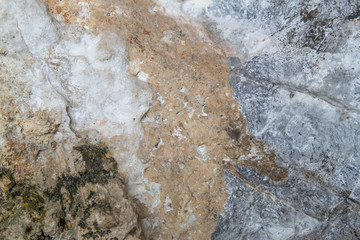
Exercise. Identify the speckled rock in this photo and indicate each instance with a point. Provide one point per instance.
(295, 72)
(174, 119)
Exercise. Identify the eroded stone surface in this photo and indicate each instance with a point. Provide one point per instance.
(294, 69)
(48, 189)
(90, 204)
(79, 78)
(84, 77)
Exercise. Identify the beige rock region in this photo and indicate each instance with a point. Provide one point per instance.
(192, 133)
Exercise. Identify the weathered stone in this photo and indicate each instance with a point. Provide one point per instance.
(45, 182)
(295, 74)
(89, 205)
(253, 213)
(161, 85)
(355, 195)
(188, 133)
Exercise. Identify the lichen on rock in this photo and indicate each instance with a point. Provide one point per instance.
(89, 205)
(121, 119)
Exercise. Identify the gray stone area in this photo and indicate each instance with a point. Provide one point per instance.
(254, 214)
(355, 195)
(309, 135)
(305, 195)
(296, 75)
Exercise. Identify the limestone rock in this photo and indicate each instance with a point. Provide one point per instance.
(174, 119)
(58, 182)
(294, 70)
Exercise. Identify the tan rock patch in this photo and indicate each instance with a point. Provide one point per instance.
(194, 130)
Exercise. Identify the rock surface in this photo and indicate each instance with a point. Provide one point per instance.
(295, 72)
(65, 93)
(188, 133)
(179, 119)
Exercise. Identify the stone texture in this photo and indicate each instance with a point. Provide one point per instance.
(254, 213)
(121, 119)
(89, 205)
(194, 126)
(295, 72)
(58, 178)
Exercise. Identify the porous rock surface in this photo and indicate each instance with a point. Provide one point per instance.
(173, 119)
